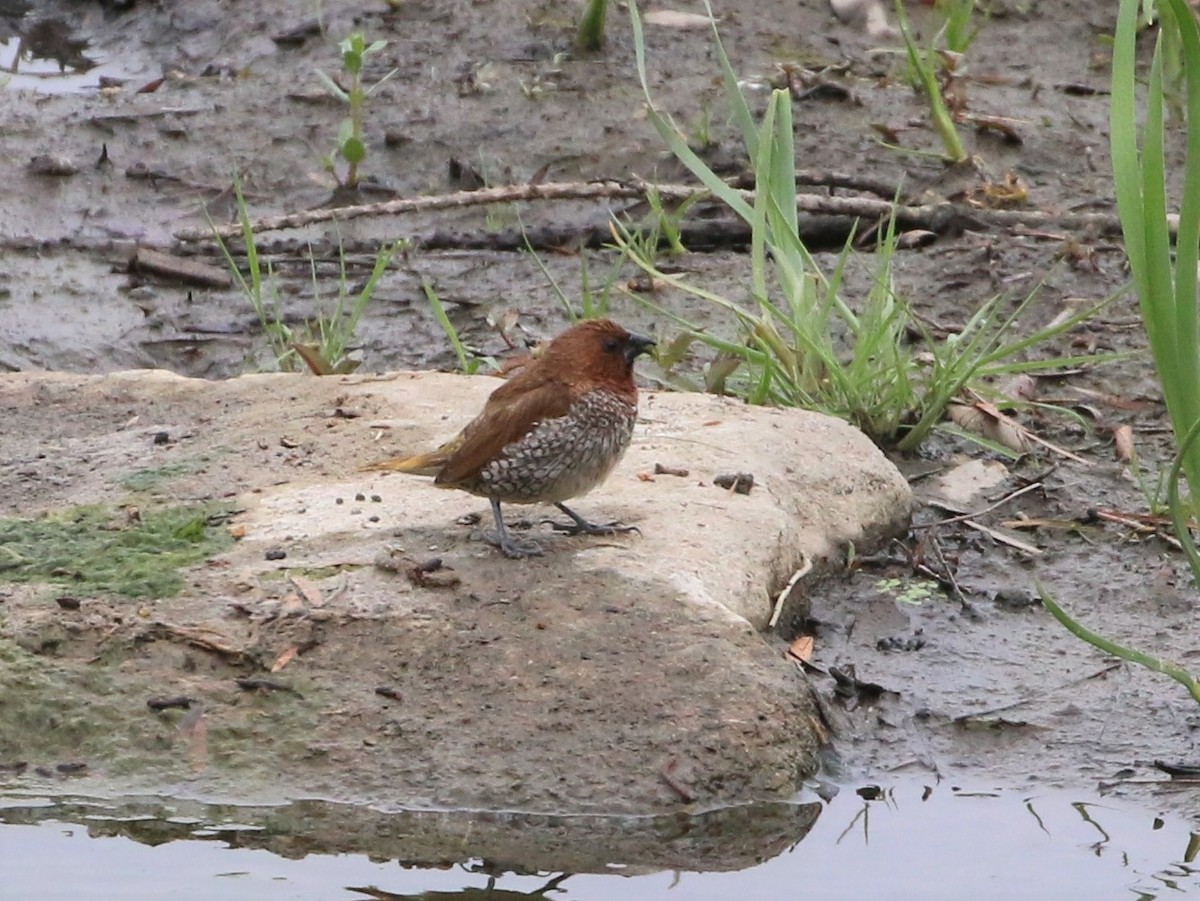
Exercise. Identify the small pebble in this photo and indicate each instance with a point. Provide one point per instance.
(738, 482)
(52, 164)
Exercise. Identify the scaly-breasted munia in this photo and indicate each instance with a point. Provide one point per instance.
(552, 432)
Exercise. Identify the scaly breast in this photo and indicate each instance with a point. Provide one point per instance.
(564, 457)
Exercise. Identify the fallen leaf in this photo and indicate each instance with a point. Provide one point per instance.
(915, 237)
(1005, 127)
(673, 18)
(802, 648)
(1026, 435)
(285, 658)
(991, 424)
(311, 355)
(1123, 443)
(959, 487)
(308, 590)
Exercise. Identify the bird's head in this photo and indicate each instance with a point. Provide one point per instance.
(598, 350)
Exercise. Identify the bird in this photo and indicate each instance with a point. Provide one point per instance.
(552, 432)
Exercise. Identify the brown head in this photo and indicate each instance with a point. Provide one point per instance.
(594, 353)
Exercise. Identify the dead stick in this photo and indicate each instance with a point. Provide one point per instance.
(502, 194)
(931, 216)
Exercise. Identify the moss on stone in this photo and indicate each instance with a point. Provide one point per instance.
(104, 551)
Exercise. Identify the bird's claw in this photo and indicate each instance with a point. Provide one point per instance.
(591, 528)
(510, 547)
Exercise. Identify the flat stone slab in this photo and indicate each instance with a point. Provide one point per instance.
(414, 665)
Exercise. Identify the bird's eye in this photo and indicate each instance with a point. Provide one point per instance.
(611, 345)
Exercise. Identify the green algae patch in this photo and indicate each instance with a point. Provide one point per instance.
(153, 478)
(101, 551)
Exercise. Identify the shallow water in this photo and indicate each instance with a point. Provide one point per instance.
(47, 56)
(913, 842)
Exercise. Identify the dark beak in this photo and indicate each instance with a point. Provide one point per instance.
(636, 346)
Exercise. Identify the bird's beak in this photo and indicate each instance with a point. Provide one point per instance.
(637, 345)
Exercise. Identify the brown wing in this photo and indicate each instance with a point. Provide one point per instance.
(510, 414)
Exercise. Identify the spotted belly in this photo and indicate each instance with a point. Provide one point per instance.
(564, 457)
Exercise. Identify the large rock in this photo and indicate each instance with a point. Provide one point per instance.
(626, 674)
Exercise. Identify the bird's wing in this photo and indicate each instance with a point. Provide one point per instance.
(512, 411)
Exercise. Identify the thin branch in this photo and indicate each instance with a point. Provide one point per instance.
(975, 514)
(939, 217)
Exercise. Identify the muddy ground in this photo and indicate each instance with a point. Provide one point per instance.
(981, 684)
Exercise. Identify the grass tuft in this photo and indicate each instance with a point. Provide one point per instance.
(799, 341)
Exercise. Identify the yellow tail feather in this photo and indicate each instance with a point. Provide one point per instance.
(421, 465)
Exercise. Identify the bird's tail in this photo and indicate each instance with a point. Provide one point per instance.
(429, 464)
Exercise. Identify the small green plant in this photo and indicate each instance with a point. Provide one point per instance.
(925, 64)
(323, 343)
(959, 29)
(667, 224)
(590, 36)
(327, 343)
(646, 238)
(351, 145)
(469, 362)
(258, 284)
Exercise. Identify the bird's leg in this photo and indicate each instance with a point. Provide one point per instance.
(580, 526)
(508, 545)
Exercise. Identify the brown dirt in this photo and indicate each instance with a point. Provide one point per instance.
(67, 303)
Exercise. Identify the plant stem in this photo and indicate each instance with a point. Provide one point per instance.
(1154, 664)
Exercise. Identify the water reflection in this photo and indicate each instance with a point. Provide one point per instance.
(904, 841)
(43, 54)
